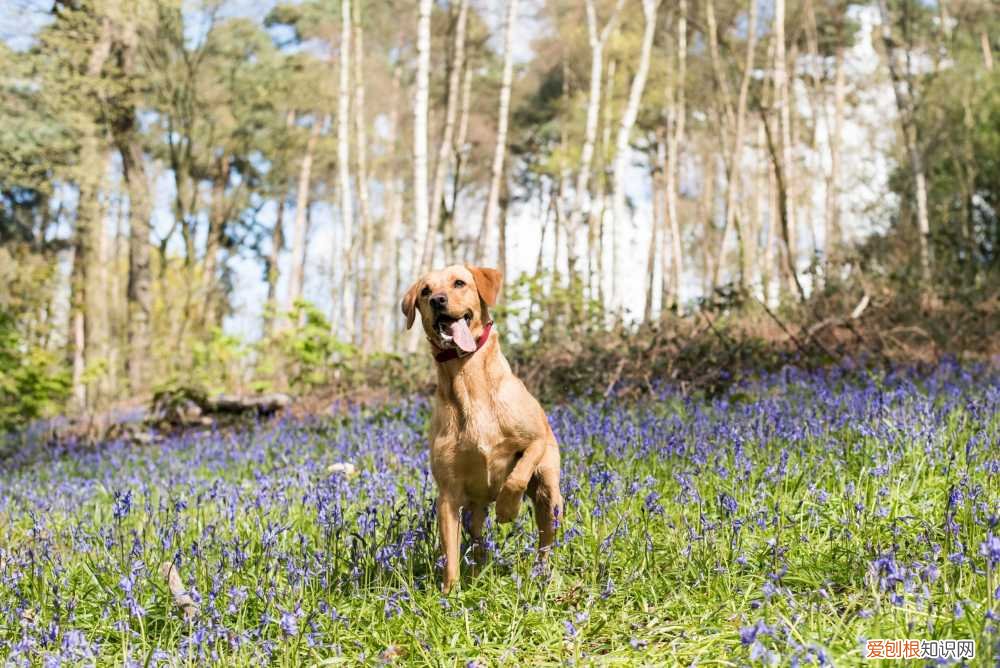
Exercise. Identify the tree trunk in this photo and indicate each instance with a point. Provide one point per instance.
(903, 89)
(499, 154)
(218, 213)
(139, 296)
(649, 8)
(984, 44)
(595, 216)
(140, 284)
(450, 233)
(597, 43)
(833, 231)
(559, 233)
(390, 266)
(344, 293)
(421, 211)
(768, 266)
(273, 258)
(676, 118)
(446, 149)
(733, 187)
(654, 224)
(90, 317)
(756, 217)
(785, 171)
(666, 251)
(706, 213)
(783, 207)
(299, 230)
(536, 294)
(368, 277)
(277, 246)
(502, 224)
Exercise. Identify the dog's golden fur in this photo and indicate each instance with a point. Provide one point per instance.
(490, 439)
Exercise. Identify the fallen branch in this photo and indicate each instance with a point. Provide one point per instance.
(839, 322)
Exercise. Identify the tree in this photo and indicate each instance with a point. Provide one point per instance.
(344, 295)
(492, 199)
(675, 118)
(127, 141)
(649, 8)
(420, 104)
(903, 89)
(597, 40)
(447, 146)
(785, 169)
(300, 230)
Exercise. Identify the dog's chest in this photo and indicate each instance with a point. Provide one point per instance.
(474, 451)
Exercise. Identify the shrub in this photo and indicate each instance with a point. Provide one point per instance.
(31, 383)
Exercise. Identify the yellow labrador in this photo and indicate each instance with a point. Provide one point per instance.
(490, 439)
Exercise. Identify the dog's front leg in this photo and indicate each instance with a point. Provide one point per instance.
(448, 524)
(509, 499)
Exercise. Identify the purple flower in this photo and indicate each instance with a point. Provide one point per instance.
(728, 504)
(749, 634)
(289, 623)
(990, 548)
(122, 504)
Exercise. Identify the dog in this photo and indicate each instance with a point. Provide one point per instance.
(490, 439)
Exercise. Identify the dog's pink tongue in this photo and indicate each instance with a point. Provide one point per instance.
(462, 336)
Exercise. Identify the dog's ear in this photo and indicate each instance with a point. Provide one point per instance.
(409, 304)
(487, 283)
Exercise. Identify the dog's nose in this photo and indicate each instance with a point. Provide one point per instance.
(439, 301)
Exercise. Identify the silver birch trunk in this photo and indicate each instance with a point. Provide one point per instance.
(733, 188)
(595, 216)
(625, 127)
(676, 117)
(299, 228)
(277, 246)
(389, 266)
(446, 150)
(421, 211)
(492, 213)
(902, 88)
(784, 108)
(461, 150)
(368, 277)
(654, 226)
(768, 266)
(597, 42)
(344, 294)
(833, 232)
(760, 204)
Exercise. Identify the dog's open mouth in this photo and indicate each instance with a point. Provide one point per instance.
(455, 331)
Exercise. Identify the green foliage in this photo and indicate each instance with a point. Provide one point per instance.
(536, 308)
(957, 126)
(31, 383)
(310, 355)
(220, 362)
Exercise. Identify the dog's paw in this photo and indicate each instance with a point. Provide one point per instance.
(508, 503)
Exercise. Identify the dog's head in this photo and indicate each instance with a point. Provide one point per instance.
(453, 303)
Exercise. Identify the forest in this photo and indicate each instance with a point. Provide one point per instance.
(233, 196)
(751, 271)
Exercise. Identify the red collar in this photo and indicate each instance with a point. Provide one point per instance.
(453, 353)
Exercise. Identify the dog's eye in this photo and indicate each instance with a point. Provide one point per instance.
(426, 291)
(459, 283)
